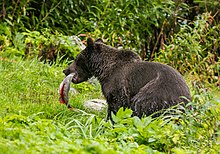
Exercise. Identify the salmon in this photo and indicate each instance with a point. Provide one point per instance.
(64, 90)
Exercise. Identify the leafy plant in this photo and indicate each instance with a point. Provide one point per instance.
(46, 46)
(141, 25)
(194, 50)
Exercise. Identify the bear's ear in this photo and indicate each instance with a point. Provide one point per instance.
(90, 42)
(99, 40)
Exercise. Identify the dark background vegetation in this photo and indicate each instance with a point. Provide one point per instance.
(184, 34)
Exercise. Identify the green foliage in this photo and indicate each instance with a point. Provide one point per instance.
(137, 24)
(211, 5)
(195, 50)
(131, 23)
(44, 45)
(5, 36)
(32, 120)
(186, 132)
(34, 86)
(51, 46)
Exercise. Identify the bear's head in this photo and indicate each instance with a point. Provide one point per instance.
(99, 60)
(80, 66)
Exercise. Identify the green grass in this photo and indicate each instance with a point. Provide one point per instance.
(33, 121)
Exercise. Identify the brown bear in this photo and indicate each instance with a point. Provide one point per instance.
(127, 81)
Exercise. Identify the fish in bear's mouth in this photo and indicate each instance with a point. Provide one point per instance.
(65, 87)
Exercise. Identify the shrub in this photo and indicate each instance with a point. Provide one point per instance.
(194, 49)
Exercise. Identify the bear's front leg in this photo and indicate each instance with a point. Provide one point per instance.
(113, 107)
(115, 102)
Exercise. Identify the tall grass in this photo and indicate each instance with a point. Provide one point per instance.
(31, 86)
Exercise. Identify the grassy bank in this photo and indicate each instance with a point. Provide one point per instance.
(33, 121)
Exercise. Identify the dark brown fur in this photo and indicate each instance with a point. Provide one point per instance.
(144, 87)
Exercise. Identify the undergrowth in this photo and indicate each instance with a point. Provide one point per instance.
(32, 120)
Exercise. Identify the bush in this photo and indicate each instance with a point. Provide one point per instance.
(44, 45)
(194, 49)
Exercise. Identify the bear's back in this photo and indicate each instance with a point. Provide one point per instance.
(138, 74)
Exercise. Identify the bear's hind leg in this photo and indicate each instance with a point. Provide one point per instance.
(149, 98)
